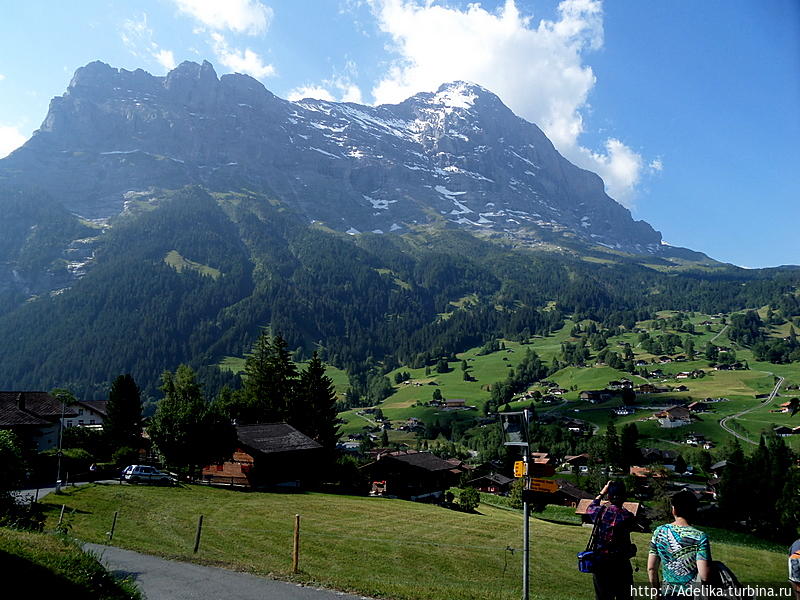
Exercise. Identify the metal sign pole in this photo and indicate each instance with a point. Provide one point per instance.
(526, 520)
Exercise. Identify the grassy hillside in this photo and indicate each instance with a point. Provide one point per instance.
(374, 546)
(740, 387)
(51, 567)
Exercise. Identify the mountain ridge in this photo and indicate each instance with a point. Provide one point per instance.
(457, 155)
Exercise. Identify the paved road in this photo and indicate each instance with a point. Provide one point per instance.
(161, 579)
(724, 422)
(30, 494)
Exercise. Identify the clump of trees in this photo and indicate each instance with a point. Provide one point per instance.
(190, 431)
(759, 491)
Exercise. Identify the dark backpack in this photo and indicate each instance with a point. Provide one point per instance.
(724, 582)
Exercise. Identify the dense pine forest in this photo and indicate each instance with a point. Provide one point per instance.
(366, 303)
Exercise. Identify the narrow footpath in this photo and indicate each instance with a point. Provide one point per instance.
(161, 579)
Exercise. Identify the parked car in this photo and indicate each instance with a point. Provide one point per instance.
(145, 474)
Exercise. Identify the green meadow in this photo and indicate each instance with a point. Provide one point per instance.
(374, 546)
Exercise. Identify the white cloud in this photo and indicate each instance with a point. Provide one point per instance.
(537, 69)
(241, 16)
(310, 91)
(338, 88)
(166, 59)
(2, 77)
(139, 39)
(656, 165)
(242, 61)
(10, 139)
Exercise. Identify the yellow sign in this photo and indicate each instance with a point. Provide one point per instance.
(544, 485)
(519, 469)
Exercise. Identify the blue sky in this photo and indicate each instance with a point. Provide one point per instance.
(690, 111)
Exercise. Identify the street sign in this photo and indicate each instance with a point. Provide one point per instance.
(543, 485)
(519, 469)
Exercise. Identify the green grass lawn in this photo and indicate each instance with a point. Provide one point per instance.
(48, 566)
(373, 546)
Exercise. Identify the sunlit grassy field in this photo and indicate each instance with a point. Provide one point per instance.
(373, 546)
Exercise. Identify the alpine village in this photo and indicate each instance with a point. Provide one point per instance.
(351, 347)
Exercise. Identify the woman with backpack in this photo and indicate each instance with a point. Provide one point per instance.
(682, 551)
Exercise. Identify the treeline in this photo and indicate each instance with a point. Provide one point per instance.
(759, 491)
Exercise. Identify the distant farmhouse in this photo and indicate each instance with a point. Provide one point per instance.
(413, 475)
(267, 454)
(676, 416)
(34, 417)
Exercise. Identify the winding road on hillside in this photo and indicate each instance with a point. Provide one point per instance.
(724, 422)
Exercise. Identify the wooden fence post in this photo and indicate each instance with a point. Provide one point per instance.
(113, 526)
(296, 545)
(197, 535)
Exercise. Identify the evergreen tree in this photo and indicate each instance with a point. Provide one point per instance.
(612, 448)
(629, 446)
(316, 397)
(188, 431)
(270, 379)
(122, 426)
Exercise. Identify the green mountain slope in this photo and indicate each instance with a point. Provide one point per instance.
(360, 300)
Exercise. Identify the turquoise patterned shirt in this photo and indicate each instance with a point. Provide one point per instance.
(679, 549)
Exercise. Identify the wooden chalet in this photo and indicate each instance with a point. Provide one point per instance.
(267, 454)
(568, 494)
(579, 460)
(644, 472)
(455, 403)
(412, 475)
(90, 414)
(595, 396)
(657, 455)
(34, 417)
(675, 416)
(492, 483)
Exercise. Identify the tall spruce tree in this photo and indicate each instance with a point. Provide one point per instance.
(122, 426)
(316, 405)
(270, 381)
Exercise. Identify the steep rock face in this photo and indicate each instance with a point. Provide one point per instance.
(458, 155)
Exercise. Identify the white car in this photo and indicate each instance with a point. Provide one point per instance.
(145, 474)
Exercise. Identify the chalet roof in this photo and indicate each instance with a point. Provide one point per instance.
(583, 506)
(644, 472)
(571, 490)
(98, 406)
(495, 478)
(674, 413)
(273, 438)
(420, 460)
(30, 408)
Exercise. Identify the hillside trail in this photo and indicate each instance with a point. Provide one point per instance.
(161, 579)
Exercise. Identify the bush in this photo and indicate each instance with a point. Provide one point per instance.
(468, 499)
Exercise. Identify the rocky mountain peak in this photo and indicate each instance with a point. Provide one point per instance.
(456, 156)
